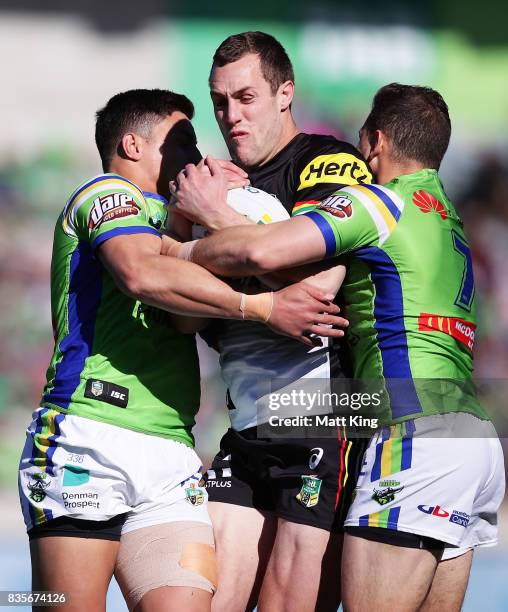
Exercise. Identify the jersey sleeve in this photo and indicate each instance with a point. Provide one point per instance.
(356, 217)
(105, 207)
(335, 165)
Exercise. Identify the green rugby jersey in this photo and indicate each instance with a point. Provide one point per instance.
(115, 360)
(409, 289)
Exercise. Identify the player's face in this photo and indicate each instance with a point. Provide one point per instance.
(247, 111)
(171, 145)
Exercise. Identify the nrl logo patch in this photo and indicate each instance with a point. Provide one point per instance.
(309, 493)
(194, 495)
(109, 207)
(97, 388)
(337, 205)
(37, 486)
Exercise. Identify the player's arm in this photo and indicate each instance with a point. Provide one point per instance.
(324, 170)
(327, 275)
(251, 250)
(110, 215)
(140, 271)
(248, 249)
(324, 275)
(209, 207)
(243, 250)
(180, 228)
(353, 218)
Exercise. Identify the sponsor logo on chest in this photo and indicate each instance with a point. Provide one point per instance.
(340, 168)
(112, 206)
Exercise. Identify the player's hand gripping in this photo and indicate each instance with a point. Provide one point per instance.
(235, 176)
(301, 310)
(200, 192)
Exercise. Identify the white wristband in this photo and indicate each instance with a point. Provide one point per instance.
(186, 249)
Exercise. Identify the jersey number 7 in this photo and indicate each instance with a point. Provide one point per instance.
(465, 295)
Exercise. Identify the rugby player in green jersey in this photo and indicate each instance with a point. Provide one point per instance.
(425, 499)
(109, 455)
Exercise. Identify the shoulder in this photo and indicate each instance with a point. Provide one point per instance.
(111, 183)
(383, 204)
(360, 215)
(101, 193)
(325, 159)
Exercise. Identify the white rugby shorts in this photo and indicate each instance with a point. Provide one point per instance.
(424, 477)
(85, 469)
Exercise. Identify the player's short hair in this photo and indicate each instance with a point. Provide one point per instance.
(276, 66)
(136, 110)
(416, 121)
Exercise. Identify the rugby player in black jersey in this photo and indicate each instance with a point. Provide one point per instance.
(273, 542)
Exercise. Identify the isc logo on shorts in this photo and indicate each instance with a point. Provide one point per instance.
(341, 168)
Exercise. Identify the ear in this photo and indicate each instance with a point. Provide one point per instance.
(132, 146)
(378, 140)
(378, 144)
(286, 93)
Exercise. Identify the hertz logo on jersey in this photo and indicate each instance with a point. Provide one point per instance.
(341, 168)
(111, 206)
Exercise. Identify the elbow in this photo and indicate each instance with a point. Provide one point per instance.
(259, 259)
(131, 282)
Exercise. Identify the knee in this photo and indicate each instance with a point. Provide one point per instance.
(171, 554)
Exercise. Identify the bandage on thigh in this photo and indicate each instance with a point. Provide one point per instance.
(172, 554)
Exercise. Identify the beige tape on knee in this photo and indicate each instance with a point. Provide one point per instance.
(172, 554)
